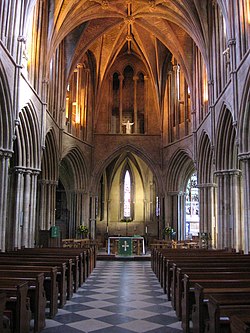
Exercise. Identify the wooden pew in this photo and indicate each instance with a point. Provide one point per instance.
(61, 269)
(2, 307)
(189, 281)
(36, 293)
(197, 261)
(222, 306)
(240, 323)
(50, 282)
(71, 252)
(18, 303)
(201, 292)
(220, 267)
(55, 253)
(193, 255)
(53, 259)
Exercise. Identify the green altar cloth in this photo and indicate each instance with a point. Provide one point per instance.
(125, 246)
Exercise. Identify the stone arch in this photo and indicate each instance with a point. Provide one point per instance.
(229, 184)
(74, 179)
(225, 146)
(122, 151)
(6, 117)
(50, 158)
(180, 168)
(206, 185)
(27, 149)
(48, 182)
(110, 189)
(25, 167)
(6, 146)
(244, 119)
(205, 159)
(75, 171)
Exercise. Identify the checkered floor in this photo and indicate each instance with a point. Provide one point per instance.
(118, 297)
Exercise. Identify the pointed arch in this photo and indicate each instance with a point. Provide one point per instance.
(205, 159)
(244, 119)
(117, 154)
(73, 169)
(181, 166)
(50, 159)
(28, 140)
(6, 116)
(225, 146)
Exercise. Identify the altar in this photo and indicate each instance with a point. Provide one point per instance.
(126, 246)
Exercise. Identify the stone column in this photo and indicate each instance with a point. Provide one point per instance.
(176, 102)
(33, 201)
(245, 225)
(26, 208)
(135, 78)
(4, 166)
(121, 78)
(173, 218)
(92, 219)
(206, 209)
(229, 211)
(42, 200)
(146, 103)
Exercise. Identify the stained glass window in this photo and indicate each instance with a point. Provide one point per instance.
(127, 195)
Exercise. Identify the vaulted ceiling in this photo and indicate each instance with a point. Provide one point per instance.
(148, 29)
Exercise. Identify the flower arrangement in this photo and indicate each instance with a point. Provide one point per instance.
(205, 236)
(126, 219)
(167, 230)
(82, 229)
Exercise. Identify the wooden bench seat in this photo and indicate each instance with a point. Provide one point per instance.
(240, 323)
(17, 302)
(199, 261)
(50, 282)
(2, 307)
(52, 259)
(201, 292)
(36, 293)
(178, 274)
(183, 289)
(49, 253)
(61, 269)
(222, 306)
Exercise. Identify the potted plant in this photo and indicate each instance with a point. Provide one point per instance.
(169, 232)
(83, 230)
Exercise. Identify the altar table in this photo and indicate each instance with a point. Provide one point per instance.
(125, 247)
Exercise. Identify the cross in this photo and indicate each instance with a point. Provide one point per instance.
(125, 246)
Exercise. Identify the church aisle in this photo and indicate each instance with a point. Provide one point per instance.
(118, 297)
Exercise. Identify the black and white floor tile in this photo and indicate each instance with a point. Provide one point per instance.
(118, 297)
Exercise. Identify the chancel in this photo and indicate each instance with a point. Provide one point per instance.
(124, 138)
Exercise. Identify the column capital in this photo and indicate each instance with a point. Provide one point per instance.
(244, 156)
(5, 153)
(207, 185)
(234, 172)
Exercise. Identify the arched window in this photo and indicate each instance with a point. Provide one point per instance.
(192, 206)
(127, 195)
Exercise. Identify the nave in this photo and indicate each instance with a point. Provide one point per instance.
(118, 297)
